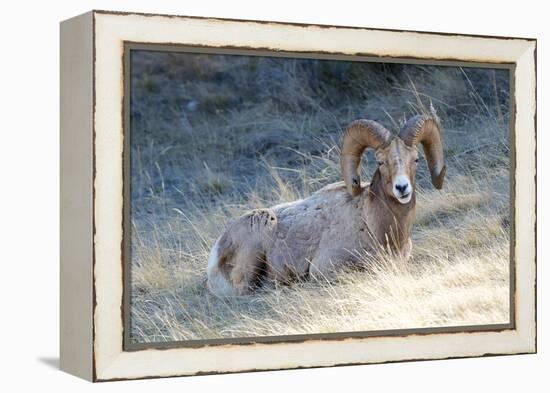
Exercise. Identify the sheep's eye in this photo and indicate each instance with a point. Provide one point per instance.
(380, 163)
(416, 160)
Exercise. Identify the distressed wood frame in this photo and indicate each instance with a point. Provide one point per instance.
(93, 157)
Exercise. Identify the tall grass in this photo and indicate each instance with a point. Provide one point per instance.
(213, 137)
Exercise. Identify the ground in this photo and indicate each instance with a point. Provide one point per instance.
(213, 137)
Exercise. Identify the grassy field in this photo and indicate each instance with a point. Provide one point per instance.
(215, 136)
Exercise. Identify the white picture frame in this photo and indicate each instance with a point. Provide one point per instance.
(92, 195)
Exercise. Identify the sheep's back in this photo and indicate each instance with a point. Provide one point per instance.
(302, 225)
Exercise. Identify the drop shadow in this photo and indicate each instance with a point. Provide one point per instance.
(52, 362)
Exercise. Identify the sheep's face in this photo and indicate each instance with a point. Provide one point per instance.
(397, 166)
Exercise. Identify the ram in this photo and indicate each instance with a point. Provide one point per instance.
(333, 227)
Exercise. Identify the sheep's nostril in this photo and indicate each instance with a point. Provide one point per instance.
(402, 188)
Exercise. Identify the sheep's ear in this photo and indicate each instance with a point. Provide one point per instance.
(358, 136)
(426, 131)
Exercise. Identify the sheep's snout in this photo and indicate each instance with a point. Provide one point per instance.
(402, 189)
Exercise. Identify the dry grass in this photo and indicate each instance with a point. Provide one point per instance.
(259, 153)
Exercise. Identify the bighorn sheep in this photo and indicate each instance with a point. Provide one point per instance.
(325, 231)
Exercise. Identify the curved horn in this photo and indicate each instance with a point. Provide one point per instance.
(359, 135)
(425, 130)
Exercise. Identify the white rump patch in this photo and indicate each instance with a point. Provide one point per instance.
(217, 283)
(213, 257)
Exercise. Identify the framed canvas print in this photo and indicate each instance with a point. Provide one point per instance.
(245, 195)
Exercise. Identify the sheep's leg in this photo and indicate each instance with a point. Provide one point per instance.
(279, 270)
(325, 266)
(237, 260)
(247, 271)
(234, 271)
